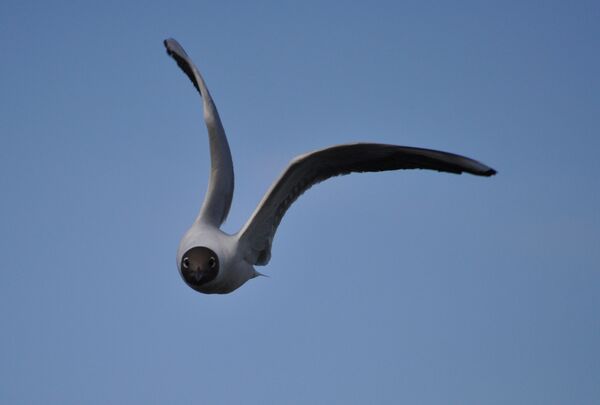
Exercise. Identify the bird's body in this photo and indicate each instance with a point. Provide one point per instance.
(211, 261)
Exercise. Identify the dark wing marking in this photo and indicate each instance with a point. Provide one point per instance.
(175, 51)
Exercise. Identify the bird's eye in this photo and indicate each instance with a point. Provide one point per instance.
(186, 262)
(212, 262)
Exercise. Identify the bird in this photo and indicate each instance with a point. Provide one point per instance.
(211, 261)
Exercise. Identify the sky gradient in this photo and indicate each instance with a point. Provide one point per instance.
(400, 287)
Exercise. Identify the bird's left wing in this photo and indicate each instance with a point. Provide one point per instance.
(307, 170)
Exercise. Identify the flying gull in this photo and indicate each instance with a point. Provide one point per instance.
(213, 262)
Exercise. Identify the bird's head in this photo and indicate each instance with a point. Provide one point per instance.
(209, 261)
(199, 266)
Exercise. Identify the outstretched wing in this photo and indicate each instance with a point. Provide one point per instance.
(307, 170)
(220, 185)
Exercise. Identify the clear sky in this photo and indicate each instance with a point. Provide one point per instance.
(403, 287)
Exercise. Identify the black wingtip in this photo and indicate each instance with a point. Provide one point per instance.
(175, 51)
(170, 51)
(489, 173)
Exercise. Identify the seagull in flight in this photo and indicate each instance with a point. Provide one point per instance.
(213, 262)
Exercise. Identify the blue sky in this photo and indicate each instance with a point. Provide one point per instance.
(403, 287)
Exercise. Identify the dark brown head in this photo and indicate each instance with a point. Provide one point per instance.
(199, 266)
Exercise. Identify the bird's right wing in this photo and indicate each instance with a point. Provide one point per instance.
(307, 170)
(220, 185)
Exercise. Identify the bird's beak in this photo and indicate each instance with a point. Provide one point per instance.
(199, 274)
